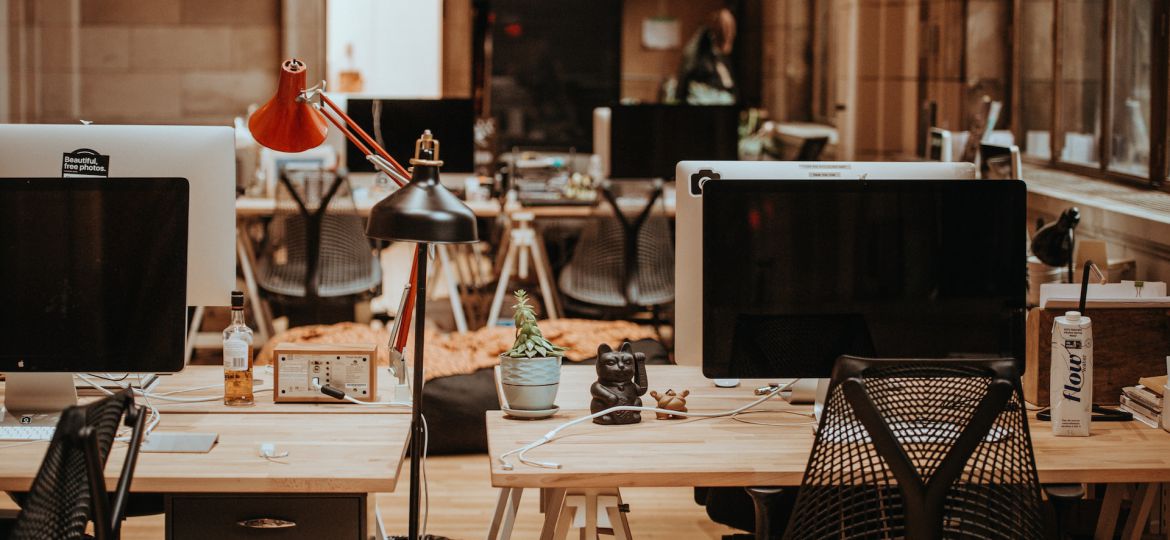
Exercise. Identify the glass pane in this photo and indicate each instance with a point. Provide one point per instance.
(1080, 84)
(1036, 78)
(1131, 87)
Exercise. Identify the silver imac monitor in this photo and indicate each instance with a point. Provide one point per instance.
(690, 176)
(205, 155)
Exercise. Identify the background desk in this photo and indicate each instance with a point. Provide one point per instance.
(725, 452)
(338, 457)
(259, 207)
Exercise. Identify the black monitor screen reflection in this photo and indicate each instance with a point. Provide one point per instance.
(93, 275)
(797, 273)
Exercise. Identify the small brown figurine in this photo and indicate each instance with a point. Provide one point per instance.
(614, 386)
(671, 402)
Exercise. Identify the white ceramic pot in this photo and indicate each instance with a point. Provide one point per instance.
(530, 384)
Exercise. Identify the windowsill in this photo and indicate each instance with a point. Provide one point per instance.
(1086, 192)
(1134, 221)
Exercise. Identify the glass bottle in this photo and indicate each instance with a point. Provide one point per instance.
(237, 357)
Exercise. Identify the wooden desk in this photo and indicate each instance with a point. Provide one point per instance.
(257, 207)
(725, 452)
(338, 456)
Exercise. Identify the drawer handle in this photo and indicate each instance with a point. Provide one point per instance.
(266, 523)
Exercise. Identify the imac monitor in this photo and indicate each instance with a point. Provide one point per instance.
(205, 155)
(397, 124)
(1000, 162)
(693, 175)
(94, 275)
(797, 273)
(647, 141)
(940, 145)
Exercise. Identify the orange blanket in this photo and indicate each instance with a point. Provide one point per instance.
(462, 354)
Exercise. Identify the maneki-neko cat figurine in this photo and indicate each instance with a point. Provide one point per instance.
(621, 380)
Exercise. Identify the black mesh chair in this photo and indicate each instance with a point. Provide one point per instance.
(69, 490)
(921, 449)
(621, 265)
(316, 247)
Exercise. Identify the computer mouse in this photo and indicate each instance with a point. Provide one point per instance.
(726, 383)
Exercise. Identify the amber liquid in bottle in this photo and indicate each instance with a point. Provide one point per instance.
(237, 357)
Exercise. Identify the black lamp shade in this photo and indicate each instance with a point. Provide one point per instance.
(423, 211)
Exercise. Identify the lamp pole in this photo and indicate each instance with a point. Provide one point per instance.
(417, 432)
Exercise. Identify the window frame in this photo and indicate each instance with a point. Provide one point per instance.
(1156, 176)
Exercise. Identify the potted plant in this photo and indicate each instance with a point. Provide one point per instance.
(530, 371)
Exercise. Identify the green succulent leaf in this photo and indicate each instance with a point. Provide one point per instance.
(530, 342)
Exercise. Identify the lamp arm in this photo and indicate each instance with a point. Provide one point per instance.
(407, 310)
(387, 168)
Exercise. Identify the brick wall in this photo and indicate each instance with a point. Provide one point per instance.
(142, 61)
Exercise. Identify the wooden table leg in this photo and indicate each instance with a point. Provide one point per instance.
(554, 503)
(504, 518)
(1139, 512)
(1110, 507)
(591, 515)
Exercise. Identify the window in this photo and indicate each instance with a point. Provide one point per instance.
(1092, 86)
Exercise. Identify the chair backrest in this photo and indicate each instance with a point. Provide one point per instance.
(316, 239)
(921, 449)
(634, 253)
(69, 490)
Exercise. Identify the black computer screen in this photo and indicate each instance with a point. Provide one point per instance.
(796, 273)
(648, 141)
(402, 121)
(93, 274)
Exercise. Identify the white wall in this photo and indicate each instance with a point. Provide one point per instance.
(397, 45)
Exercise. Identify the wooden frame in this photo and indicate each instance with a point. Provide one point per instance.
(1159, 160)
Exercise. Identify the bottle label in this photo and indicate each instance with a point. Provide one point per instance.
(235, 355)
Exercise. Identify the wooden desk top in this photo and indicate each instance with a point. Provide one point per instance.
(726, 452)
(341, 450)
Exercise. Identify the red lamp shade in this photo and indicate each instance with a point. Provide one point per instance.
(286, 123)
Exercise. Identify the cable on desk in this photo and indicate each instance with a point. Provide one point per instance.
(548, 437)
(737, 418)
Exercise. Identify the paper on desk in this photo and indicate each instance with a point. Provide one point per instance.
(1115, 295)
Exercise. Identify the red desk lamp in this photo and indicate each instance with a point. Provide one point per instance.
(292, 122)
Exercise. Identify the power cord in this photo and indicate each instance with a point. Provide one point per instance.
(548, 437)
(340, 394)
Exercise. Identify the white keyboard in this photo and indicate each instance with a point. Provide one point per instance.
(26, 433)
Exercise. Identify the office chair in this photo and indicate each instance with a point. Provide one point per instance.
(623, 265)
(69, 490)
(811, 149)
(921, 449)
(316, 247)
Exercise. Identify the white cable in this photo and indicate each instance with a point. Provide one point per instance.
(354, 400)
(425, 486)
(737, 418)
(548, 437)
(166, 396)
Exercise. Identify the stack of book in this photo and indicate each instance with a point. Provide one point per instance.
(1144, 403)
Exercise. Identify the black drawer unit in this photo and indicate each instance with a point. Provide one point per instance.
(237, 516)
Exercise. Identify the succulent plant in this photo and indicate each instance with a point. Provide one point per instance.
(530, 343)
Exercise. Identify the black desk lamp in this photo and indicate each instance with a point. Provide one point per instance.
(424, 212)
(1053, 243)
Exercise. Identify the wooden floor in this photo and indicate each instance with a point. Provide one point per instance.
(462, 501)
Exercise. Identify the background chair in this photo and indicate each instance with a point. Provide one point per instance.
(69, 490)
(622, 265)
(921, 449)
(316, 248)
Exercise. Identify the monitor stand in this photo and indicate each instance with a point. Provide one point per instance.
(37, 399)
(805, 391)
